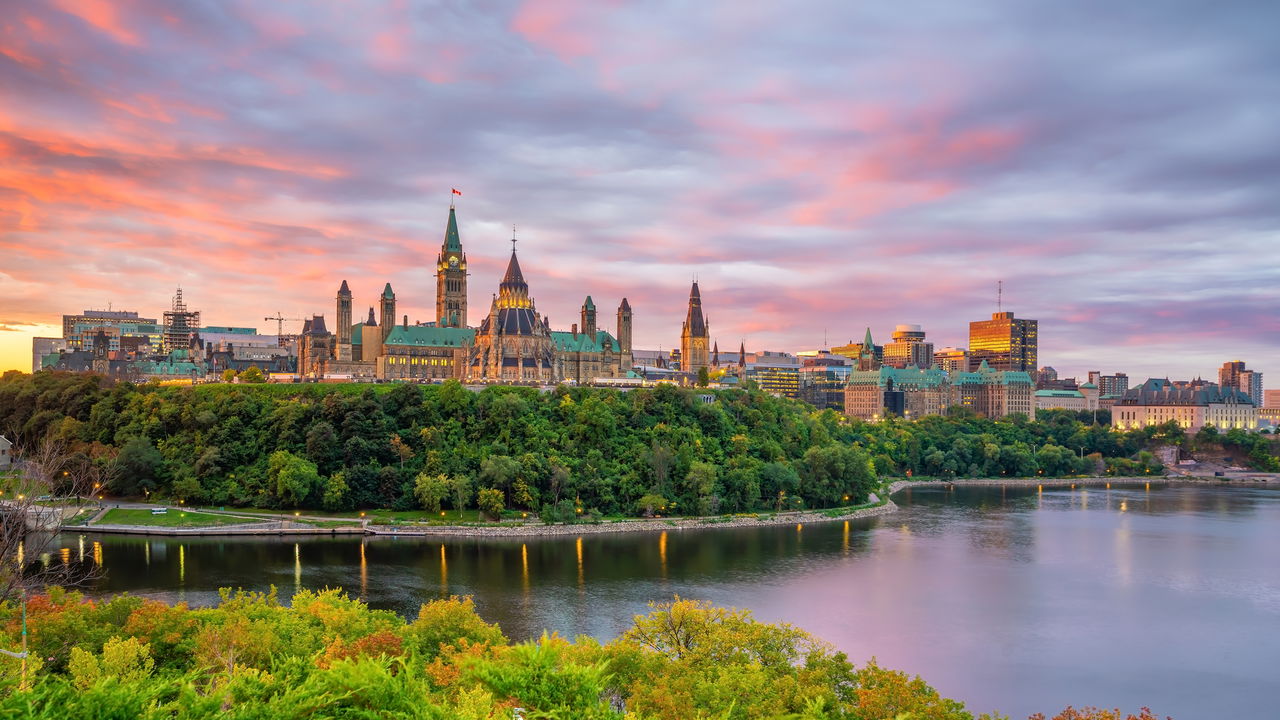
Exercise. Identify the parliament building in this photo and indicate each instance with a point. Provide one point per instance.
(512, 345)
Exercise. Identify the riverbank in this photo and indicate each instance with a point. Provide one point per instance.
(883, 506)
(797, 517)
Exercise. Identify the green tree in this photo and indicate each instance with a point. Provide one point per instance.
(292, 479)
(489, 501)
(229, 375)
(252, 374)
(460, 491)
(704, 378)
(139, 467)
(337, 495)
(430, 489)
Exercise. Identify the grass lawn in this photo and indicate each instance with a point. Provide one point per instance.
(174, 518)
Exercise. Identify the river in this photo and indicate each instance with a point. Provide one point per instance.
(1008, 599)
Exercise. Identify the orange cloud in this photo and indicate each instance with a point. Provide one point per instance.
(102, 15)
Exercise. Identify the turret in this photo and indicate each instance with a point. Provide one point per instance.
(388, 318)
(624, 326)
(589, 318)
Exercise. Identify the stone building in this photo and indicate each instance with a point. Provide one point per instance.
(872, 394)
(1192, 405)
(695, 336)
(994, 393)
(513, 343)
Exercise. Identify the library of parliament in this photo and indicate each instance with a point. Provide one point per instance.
(513, 344)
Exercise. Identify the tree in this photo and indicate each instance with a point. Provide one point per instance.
(229, 375)
(337, 495)
(138, 468)
(460, 491)
(704, 378)
(252, 375)
(700, 487)
(489, 501)
(430, 489)
(401, 449)
(41, 470)
(292, 479)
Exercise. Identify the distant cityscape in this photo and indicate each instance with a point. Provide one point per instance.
(997, 375)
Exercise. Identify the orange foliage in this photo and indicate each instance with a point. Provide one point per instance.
(382, 643)
(1092, 713)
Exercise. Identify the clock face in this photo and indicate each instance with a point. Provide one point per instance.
(453, 262)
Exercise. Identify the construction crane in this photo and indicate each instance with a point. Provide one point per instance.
(280, 320)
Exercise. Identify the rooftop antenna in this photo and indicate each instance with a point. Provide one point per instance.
(513, 239)
(999, 296)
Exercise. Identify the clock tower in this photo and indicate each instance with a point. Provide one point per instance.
(451, 278)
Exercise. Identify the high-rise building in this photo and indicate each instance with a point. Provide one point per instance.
(1235, 375)
(908, 348)
(451, 278)
(952, 360)
(695, 335)
(43, 347)
(1271, 399)
(1005, 342)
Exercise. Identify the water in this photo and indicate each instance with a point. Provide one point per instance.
(1007, 599)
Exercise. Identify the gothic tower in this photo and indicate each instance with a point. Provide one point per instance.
(344, 314)
(624, 326)
(695, 336)
(589, 318)
(388, 311)
(451, 278)
(342, 344)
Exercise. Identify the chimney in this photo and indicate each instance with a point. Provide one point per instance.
(575, 331)
(405, 325)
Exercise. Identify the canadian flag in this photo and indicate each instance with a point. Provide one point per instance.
(456, 191)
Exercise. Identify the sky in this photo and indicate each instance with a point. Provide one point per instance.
(819, 167)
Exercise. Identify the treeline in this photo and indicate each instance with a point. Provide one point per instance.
(565, 453)
(327, 656)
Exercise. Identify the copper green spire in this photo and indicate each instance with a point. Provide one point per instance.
(452, 243)
(387, 293)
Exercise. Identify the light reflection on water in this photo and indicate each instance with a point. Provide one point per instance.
(1020, 600)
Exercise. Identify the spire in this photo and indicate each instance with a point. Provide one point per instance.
(514, 277)
(742, 354)
(589, 304)
(387, 294)
(371, 320)
(625, 305)
(695, 322)
(451, 241)
(867, 343)
(344, 291)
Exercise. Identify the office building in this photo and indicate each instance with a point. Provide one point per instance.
(908, 348)
(1005, 342)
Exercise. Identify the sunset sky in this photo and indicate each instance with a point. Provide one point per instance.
(821, 167)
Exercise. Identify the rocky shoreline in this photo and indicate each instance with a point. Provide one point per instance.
(799, 517)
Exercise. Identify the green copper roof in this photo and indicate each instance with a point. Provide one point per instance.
(386, 292)
(428, 336)
(867, 343)
(355, 334)
(451, 241)
(1059, 393)
(985, 375)
(913, 377)
(566, 342)
(588, 304)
